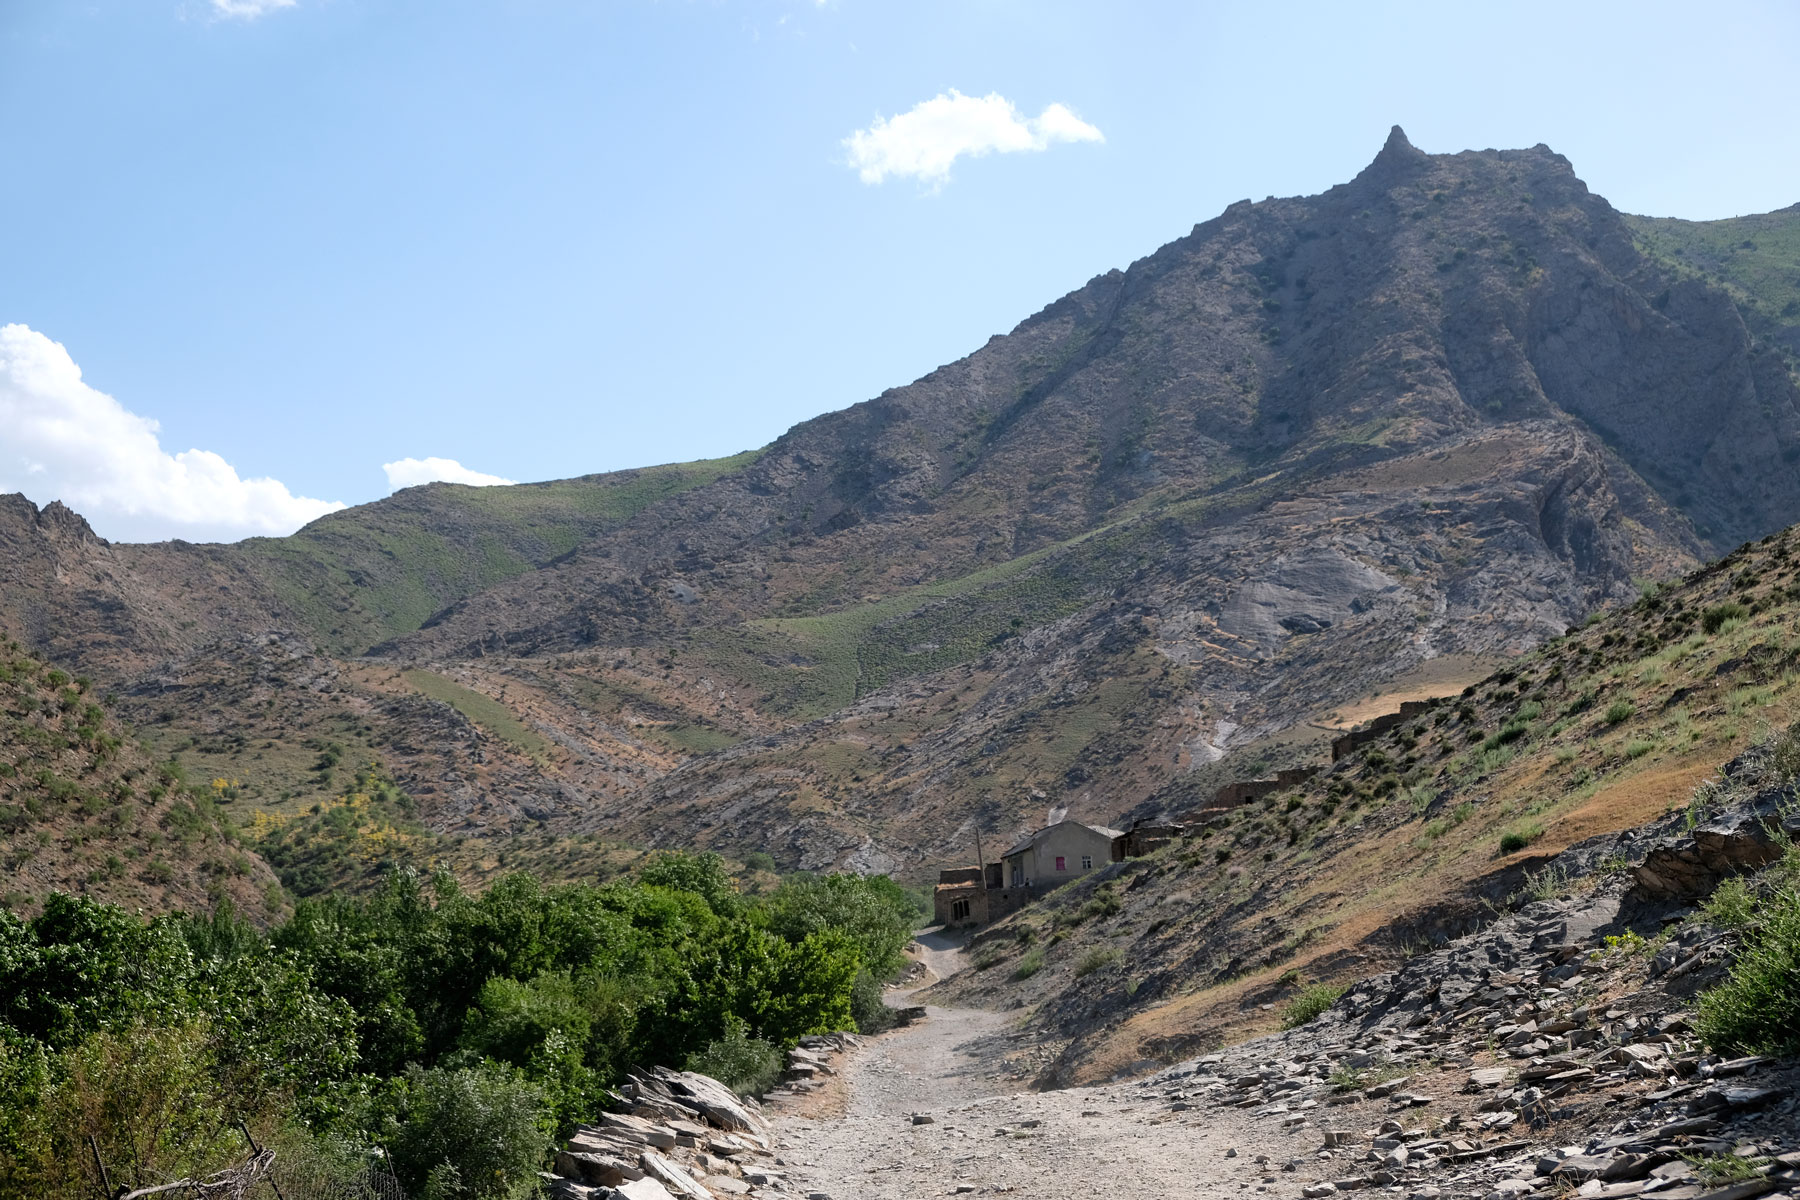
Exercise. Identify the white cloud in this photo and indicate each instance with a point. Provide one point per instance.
(410, 472)
(924, 142)
(248, 10)
(62, 440)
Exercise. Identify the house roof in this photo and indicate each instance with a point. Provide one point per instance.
(1031, 839)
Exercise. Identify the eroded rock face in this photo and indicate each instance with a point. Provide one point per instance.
(1745, 837)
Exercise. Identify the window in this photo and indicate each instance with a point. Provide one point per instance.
(1087, 862)
(959, 910)
(1062, 864)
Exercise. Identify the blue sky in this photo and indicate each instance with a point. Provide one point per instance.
(543, 238)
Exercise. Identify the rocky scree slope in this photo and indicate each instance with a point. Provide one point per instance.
(1446, 408)
(1417, 836)
(1557, 1050)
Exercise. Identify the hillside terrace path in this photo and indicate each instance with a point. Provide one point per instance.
(1114, 1140)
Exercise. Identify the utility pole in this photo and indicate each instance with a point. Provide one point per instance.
(979, 860)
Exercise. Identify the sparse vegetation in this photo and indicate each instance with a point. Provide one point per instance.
(1096, 959)
(1312, 1000)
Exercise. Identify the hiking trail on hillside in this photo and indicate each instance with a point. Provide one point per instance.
(985, 1137)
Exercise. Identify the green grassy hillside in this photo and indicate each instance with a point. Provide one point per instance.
(85, 810)
(1756, 257)
(369, 573)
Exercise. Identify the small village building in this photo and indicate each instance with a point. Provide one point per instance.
(959, 898)
(1058, 854)
(1049, 858)
(968, 896)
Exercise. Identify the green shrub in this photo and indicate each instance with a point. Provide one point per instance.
(873, 910)
(1093, 960)
(748, 1066)
(1721, 1169)
(1757, 1009)
(1713, 619)
(702, 874)
(1104, 903)
(1731, 905)
(149, 1096)
(1313, 999)
(1515, 840)
(475, 1134)
(870, 1012)
(1029, 965)
(1619, 710)
(1512, 732)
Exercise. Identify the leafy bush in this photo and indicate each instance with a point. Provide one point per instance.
(748, 1066)
(1312, 1000)
(1619, 710)
(1713, 619)
(518, 1005)
(480, 1133)
(867, 1009)
(873, 911)
(702, 874)
(146, 1094)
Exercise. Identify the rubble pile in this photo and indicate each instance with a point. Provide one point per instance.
(809, 1064)
(682, 1134)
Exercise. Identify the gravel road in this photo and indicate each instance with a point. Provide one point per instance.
(984, 1139)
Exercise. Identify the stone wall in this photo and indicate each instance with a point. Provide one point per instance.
(1349, 742)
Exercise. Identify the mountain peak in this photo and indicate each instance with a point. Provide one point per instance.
(1397, 149)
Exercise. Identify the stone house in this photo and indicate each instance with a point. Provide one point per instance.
(967, 896)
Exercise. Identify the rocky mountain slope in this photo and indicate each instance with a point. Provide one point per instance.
(1434, 414)
(1530, 782)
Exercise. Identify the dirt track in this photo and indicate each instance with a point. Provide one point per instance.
(1111, 1140)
